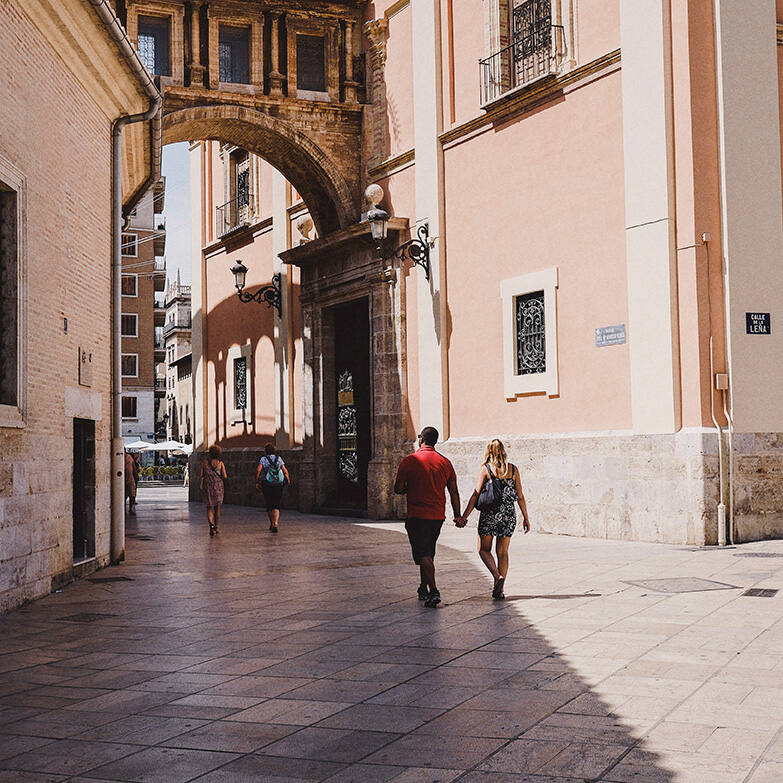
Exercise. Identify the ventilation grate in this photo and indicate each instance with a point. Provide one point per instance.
(760, 592)
(100, 579)
(759, 554)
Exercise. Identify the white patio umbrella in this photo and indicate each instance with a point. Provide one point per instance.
(164, 445)
(137, 445)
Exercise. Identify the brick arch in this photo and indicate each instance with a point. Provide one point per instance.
(306, 166)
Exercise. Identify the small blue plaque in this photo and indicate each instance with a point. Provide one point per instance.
(758, 323)
(610, 335)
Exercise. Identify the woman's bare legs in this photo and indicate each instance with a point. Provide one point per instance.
(485, 553)
(274, 516)
(501, 550)
(211, 517)
(217, 516)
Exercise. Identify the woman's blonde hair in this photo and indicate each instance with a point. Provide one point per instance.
(495, 455)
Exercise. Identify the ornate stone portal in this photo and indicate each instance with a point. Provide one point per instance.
(338, 270)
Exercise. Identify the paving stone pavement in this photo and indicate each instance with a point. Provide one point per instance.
(306, 657)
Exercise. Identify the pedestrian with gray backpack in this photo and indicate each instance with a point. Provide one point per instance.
(271, 478)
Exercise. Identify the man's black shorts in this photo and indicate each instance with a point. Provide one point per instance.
(423, 534)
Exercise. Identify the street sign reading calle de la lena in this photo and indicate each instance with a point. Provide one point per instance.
(758, 323)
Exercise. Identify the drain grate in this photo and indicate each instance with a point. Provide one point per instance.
(759, 554)
(86, 617)
(760, 592)
(100, 579)
(686, 584)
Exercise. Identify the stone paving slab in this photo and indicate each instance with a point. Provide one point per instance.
(306, 657)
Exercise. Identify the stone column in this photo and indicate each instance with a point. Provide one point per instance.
(350, 83)
(275, 77)
(195, 68)
(257, 57)
(213, 40)
(376, 138)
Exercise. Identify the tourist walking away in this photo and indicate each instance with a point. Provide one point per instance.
(211, 480)
(271, 478)
(497, 491)
(423, 477)
(131, 480)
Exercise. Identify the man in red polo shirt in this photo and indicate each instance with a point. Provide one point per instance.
(423, 476)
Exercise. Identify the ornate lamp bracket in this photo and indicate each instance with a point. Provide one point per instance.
(417, 250)
(267, 293)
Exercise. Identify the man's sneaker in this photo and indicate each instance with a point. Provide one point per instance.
(433, 600)
(424, 593)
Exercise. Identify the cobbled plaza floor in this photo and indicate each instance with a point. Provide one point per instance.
(306, 657)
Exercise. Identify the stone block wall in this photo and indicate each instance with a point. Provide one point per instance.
(610, 485)
(758, 485)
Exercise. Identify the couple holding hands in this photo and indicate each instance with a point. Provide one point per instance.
(425, 476)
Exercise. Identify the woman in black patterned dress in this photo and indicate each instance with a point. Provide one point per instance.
(499, 522)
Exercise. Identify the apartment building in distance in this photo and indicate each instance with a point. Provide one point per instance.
(178, 410)
(143, 315)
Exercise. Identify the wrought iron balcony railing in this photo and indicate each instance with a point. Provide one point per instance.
(233, 214)
(527, 59)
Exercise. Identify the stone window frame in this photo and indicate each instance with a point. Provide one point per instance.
(239, 415)
(224, 16)
(497, 36)
(331, 31)
(135, 277)
(14, 180)
(136, 356)
(175, 13)
(136, 319)
(514, 385)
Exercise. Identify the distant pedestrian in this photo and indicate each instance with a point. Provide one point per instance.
(271, 478)
(211, 478)
(186, 475)
(131, 479)
(423, 476)
(499, 521)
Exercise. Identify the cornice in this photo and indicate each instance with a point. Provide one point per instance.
(393, 165)
(75, 33)
(522, 100)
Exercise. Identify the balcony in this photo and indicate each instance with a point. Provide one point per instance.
(159, 312)
(159, 273)
(232, 215)
(160, 387)
(159, 240)
(528, 59)
(181, 324)
(160, 345)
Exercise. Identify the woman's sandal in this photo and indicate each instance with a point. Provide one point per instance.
(211, 529)
(497, 590)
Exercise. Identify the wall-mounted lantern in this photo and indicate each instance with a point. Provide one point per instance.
(267, 293)
(417, 250)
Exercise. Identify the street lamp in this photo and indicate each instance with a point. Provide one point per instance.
(267, 293)
(417, 250)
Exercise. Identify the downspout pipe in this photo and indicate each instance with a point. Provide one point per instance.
(117, 32)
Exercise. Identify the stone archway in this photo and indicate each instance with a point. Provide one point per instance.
(321, 181)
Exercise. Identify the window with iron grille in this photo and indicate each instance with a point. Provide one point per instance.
(9, 297)
(130, 325)
(234, 54)
(130, 365)
(531, 334)
(154, 44)
(129, 409)
(311, 63)
(130, 245)
(531, 34)
(240, 383)
(129, 285)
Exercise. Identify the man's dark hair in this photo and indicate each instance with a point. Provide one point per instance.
(270, 449)
(429, 436)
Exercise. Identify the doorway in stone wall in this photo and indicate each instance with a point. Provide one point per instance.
(352, 402)
(83, 489)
